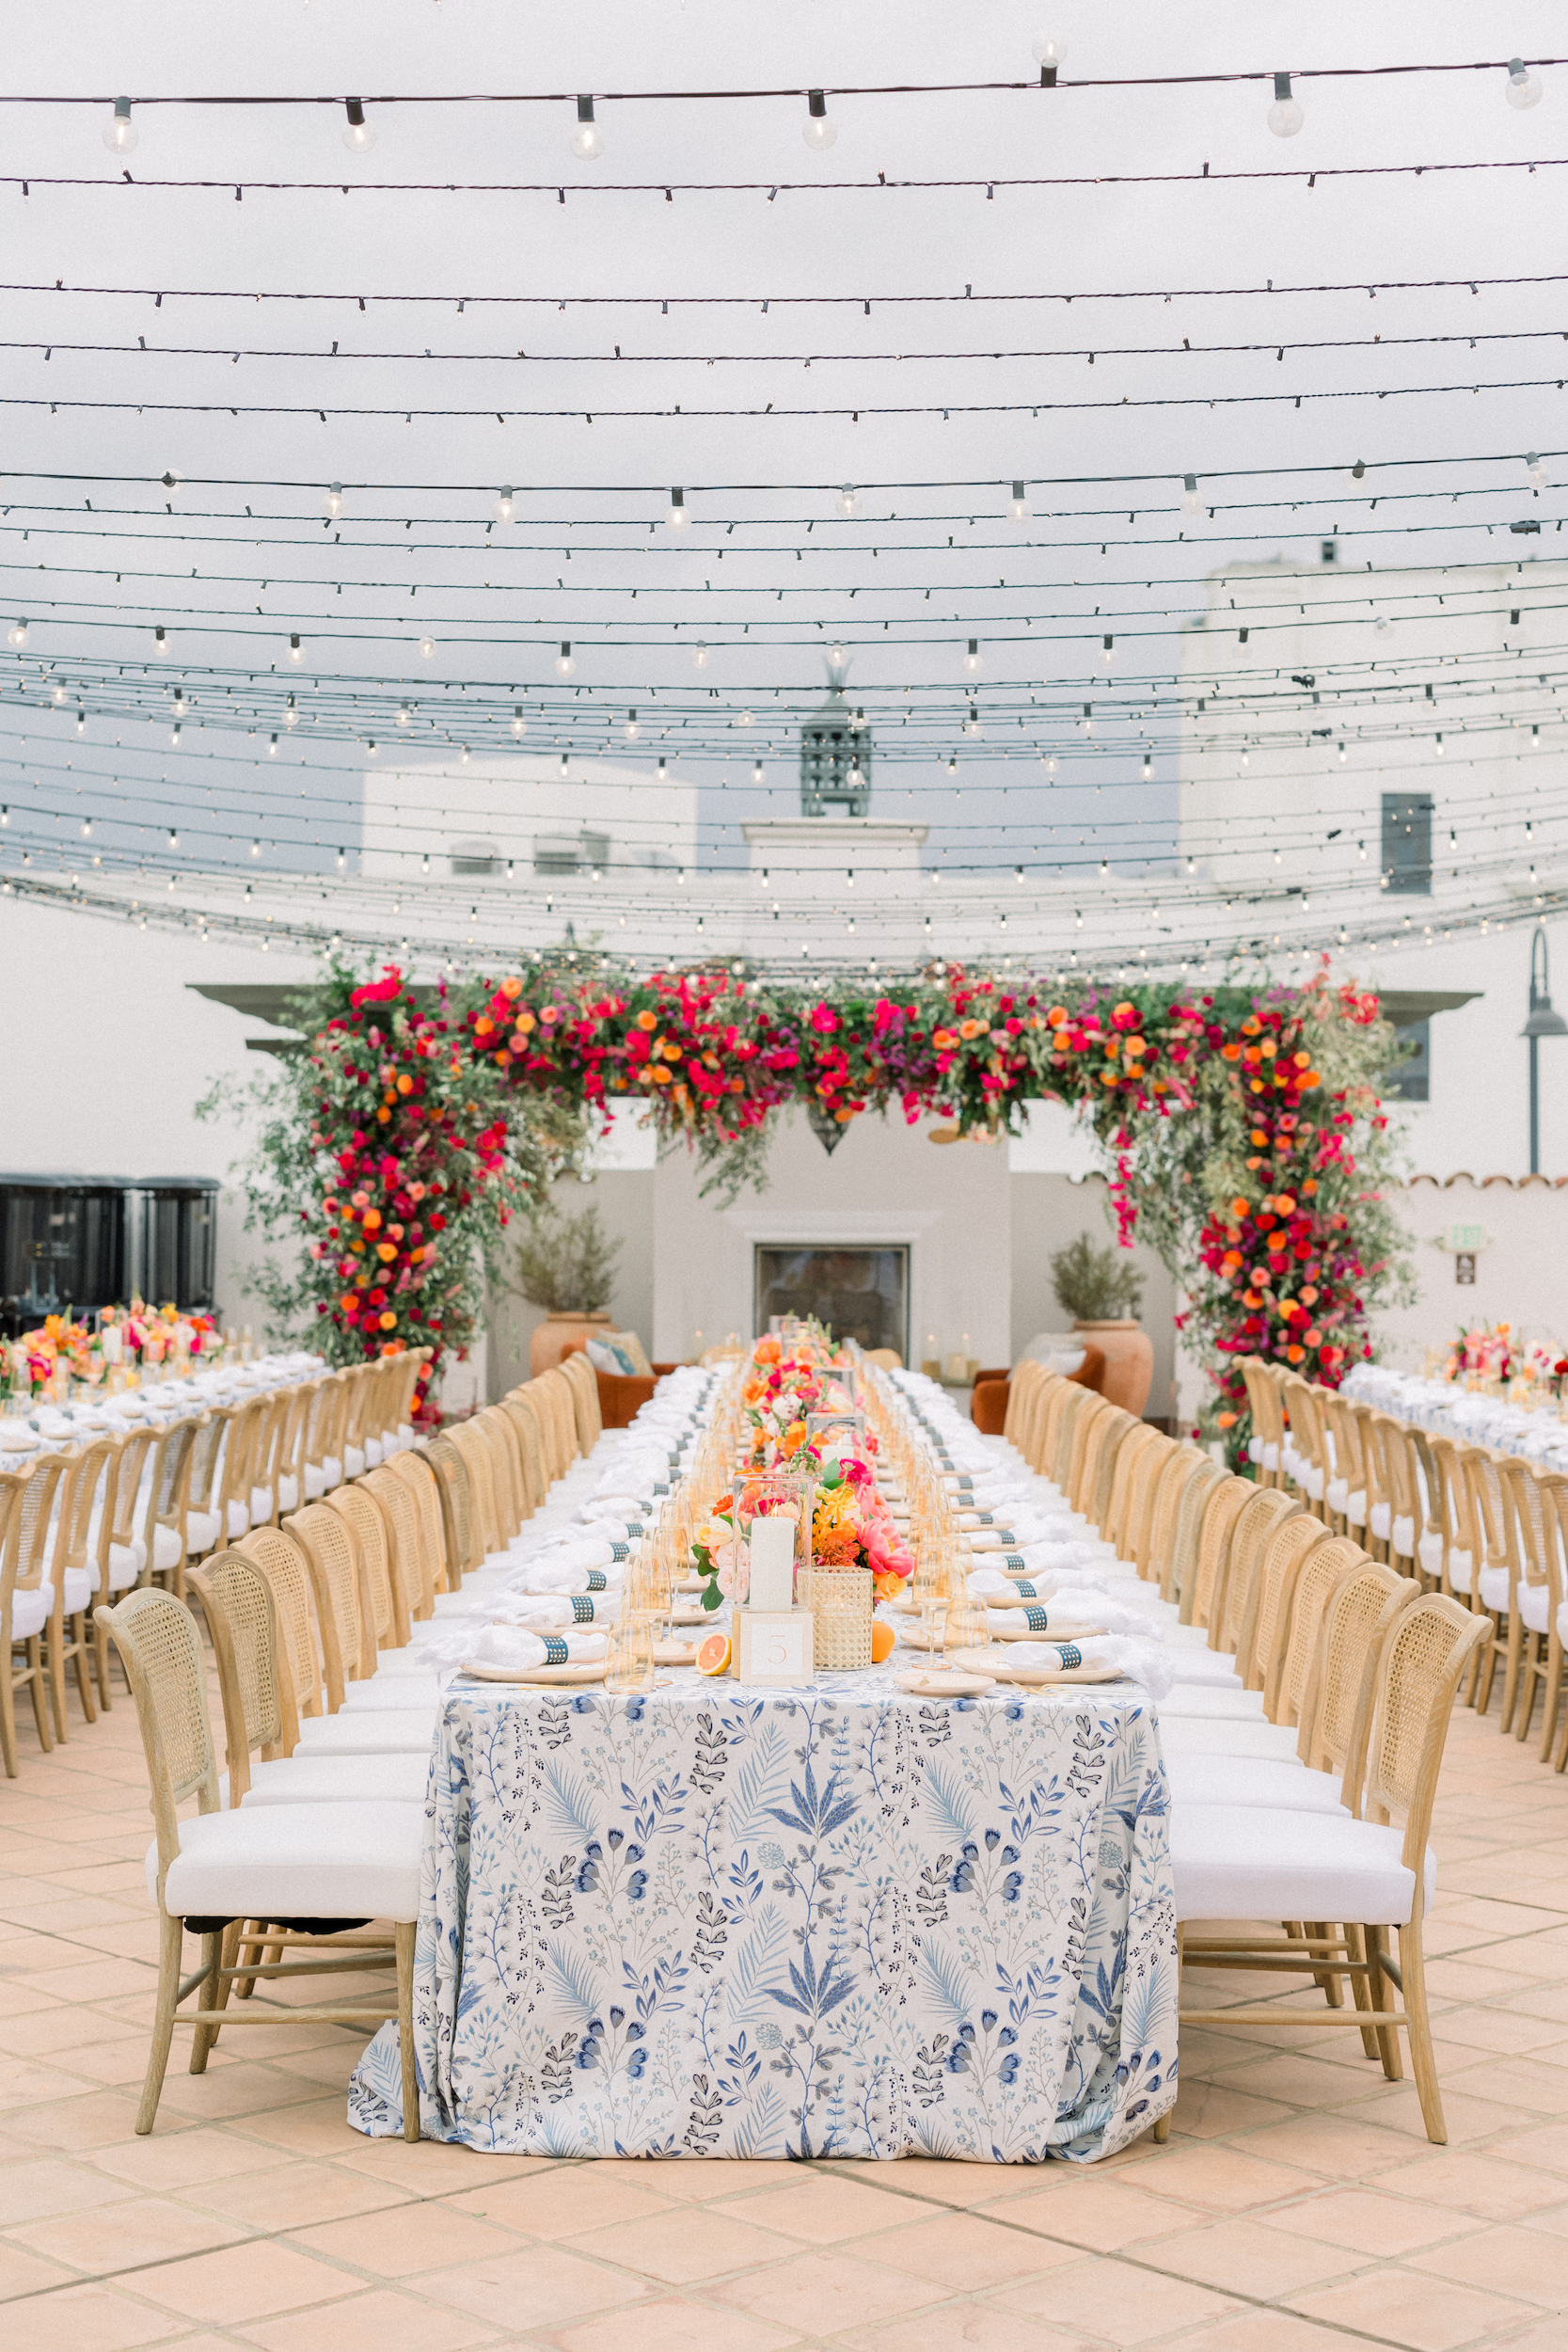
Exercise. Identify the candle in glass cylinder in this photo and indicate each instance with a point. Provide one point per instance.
(772, 1545)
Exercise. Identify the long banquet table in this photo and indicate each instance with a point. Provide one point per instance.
(710, 1920)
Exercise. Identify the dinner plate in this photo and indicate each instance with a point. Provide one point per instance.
(569, 1675)
(1032, 1677)
(933, 1682)
(674, 1653)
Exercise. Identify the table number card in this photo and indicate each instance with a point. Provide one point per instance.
(776, 1647)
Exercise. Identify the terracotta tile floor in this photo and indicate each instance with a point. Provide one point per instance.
(1296, 2208)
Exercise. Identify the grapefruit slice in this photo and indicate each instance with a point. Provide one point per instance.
(881, 1640)
(714, 1656)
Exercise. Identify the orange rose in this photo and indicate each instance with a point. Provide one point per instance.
(647, 1020)
(511, 987)
(388, 1321)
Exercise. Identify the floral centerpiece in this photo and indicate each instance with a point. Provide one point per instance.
(851, 1525)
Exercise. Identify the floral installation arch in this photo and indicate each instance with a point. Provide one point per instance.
(1242, 1130)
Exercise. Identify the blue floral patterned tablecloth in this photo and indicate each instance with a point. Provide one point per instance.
(839, 1921)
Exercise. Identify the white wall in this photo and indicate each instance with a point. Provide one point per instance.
(886, 1183)
(1521, 1275)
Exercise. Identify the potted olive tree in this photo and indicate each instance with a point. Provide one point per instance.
(1103, 1291)
(565, 1265)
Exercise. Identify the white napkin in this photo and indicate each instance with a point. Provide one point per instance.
(555, 1612)
(567, 1567)
(511, 1646)
(1143, 1660)
(1067, 1619)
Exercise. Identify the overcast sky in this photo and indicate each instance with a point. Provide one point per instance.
(765, 575)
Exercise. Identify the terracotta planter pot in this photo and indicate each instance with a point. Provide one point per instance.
(1129, 1354)
(558, 1334)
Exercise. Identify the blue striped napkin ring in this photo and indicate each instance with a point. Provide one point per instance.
(555, 1649)
(582, 1608)
(1072, 1657)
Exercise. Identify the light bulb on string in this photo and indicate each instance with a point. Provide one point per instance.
(818, 129)
(848, 504)
(405, 717)
(1535, 472)
(120, 132)
(290, 714)
(587, 140)
(677, 518)
(1190, 502)
(564, 666)
(180, 706)
(506, 507)
(17, 634)
(1107, 654)
(296, 651)
(1148, 766)
(972, 724)
(518, 722)
(1050, 765)
(81, 720)
(756, 772)
(1381, 623)
(60, 695)
(1437, 746)
(973, 660)
(1523, 88)
(1285, 116)
(1018, 505)
(427, 647)
(700, 656)
(272, 747)
(255, 848)
(631, 730)
(358, 134)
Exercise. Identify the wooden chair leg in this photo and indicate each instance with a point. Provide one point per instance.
(1551, 1699)
(1383, 1997)
(218, 1953)
(162, 2023)
(1330, 1982)
(1360, 1990)
(1424, 2065)
(101, 1664)
(1488, 1665)
(1511, 1671)
(40, 1705)
(403, 1933)
(8, 1713)
(248, 1937)
(83, 1677)
(55, 1667)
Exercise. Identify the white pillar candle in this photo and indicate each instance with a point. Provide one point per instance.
(772, 1542)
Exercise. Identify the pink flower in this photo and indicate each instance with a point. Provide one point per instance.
(824, 1019)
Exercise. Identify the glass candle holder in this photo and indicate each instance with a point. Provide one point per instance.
(772, 1518)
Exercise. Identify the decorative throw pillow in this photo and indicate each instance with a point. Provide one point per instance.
(632, 1348)
(604, 1354)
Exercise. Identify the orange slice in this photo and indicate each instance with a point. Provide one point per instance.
(881, 1640)
(714, 1656)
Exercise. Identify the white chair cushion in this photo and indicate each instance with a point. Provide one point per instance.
(124, 1567)
(30, 1612)
(1214, 1780)
(1461, 1569)
(375, 1732)
(1493, 1590)
(1404, 1537)
(405, 1435)
(1311, 1477)
(287, 1495)
(353, 1461)
(306, 1861)
(1226, 1705)
(81, 1584)
(399, 1779)
(167, 1553)
(201, 1530)
(390, 1443)
(1382, 1520)
(1336, 1493)
(1291, 1459)
(1204, 1670)
(239, 1520)
(1533, 1599)
(392, 1664)
(1196, 1734)
(397, 1691)
(315, 1483)
(1237, 1862)
(1255, 1449)
(1429, 1551)
(1562, 1624)
(1269, 1456)
(1356, 1508)
(374, 1452)
(261, 1505)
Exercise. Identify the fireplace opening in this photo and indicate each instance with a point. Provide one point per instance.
(861, 1294)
